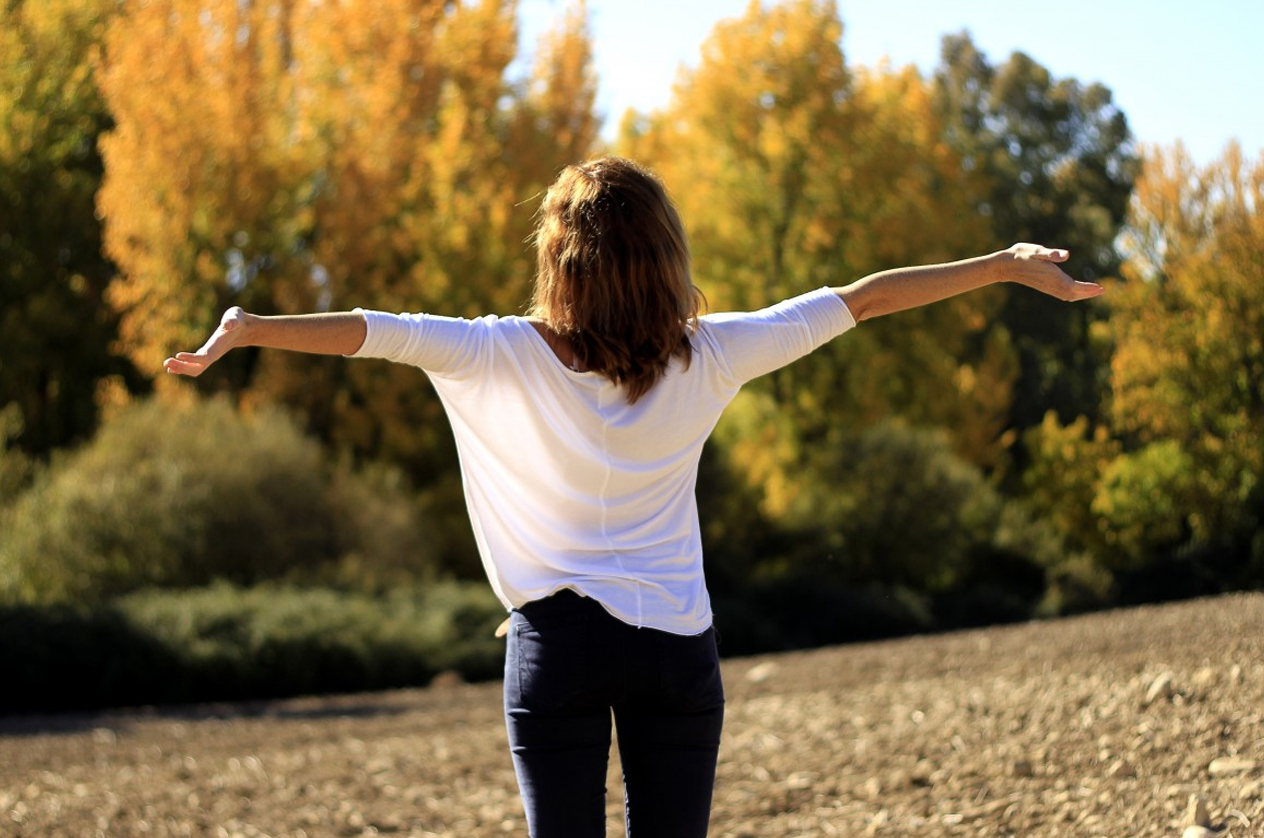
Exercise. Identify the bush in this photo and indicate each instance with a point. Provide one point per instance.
(180, 496)
(798, 612)
(16, 468)
(228, 643)
(60, 658)
(1146, 500)
(895, 507)
(1075, 585)
(888, 533)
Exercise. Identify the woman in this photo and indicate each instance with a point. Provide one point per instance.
(579, 430)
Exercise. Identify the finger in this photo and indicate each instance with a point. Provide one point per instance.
(1054, 254)
(180, 366)
(1074, 291)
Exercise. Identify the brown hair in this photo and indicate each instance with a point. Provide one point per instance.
(612, 272)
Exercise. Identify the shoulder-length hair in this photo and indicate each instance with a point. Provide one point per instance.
(612, 272)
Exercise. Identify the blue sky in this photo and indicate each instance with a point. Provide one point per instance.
(1190, 70)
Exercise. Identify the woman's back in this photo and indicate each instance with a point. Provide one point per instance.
(570, 484)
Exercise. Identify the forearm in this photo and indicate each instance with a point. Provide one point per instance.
(323, 334)
(1031, 265)
(340, 333)
(904, 288)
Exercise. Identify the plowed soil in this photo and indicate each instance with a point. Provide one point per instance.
(1114, 725)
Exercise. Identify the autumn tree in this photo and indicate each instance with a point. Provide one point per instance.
(792, 172)
(296, 157)
(195, 167)
(464, 200)
(1055, 162)
(1188, 330)
(555, 122)
(56, 333)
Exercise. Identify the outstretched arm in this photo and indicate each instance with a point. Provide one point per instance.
(903, 288)
(323, 334)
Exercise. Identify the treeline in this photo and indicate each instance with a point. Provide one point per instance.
(993, 457)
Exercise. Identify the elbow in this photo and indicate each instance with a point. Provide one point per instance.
(861, 302)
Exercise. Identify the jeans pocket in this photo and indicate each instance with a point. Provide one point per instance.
(550, 661)
(689, 671)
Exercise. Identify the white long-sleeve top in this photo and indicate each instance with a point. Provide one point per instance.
(568, 485)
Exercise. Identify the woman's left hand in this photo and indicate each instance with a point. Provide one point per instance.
(1037, 267)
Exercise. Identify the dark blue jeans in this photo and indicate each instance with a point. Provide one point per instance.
(569, 667)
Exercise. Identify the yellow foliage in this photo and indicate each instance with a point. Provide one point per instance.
(1068, 465)
(793, 171)
(292, 157)
(1188, 326)
(43, 45)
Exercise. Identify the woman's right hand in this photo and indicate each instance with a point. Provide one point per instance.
(231, 333)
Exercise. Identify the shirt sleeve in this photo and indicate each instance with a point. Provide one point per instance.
(755, 343)
(449, 346)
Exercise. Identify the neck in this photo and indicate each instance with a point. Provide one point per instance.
(560, 345)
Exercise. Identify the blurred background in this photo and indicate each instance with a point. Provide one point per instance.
(292, 524)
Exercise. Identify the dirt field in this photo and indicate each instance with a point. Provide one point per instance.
(1107, 725)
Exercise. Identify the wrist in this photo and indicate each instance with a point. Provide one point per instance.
(250, 324)
(245, 325)
(996, 265)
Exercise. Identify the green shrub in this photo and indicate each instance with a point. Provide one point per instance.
(385, 537)
(180, 496)
(1075, 585)
(60, 658)
(895, 507)
(16, 467)
(227, 643)
(798, 612)
(890, 533)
